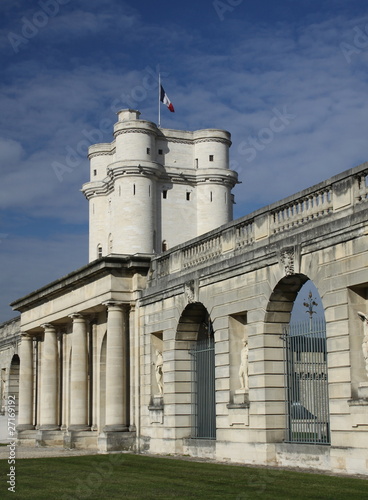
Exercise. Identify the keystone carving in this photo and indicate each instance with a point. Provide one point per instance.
(288, 261)
(189, 292)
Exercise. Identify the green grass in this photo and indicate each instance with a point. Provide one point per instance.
(128, 476)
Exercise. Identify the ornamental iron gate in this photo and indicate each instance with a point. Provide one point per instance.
(306, 384)
(203, 384)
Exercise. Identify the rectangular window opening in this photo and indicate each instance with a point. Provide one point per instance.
(188, 196)
(164, 194)
(160, 152)
(148, 151)
(211, 157)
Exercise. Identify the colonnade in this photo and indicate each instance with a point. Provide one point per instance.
(43, 399)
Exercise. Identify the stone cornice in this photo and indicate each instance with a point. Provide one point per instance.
(102, 153)
(98, 268)
(134, 131)
(156, 170)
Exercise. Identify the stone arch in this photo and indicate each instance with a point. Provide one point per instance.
(190, 321)
(277, 317)
(13, 383)
(194, 326)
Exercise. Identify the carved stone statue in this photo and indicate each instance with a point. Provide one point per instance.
(243, 370)
(364, 318)
(159, 371)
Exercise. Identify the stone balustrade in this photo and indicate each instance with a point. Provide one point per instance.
(342, 192)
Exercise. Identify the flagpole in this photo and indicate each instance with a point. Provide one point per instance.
(159, 99)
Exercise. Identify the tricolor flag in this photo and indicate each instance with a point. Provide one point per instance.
(165, 99)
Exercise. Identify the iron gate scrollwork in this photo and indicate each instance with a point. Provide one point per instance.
(306, 384)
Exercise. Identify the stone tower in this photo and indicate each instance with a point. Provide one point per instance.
(153, 188)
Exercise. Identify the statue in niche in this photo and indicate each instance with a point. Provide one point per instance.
(364, 318)
(159, 371)
(243, 370)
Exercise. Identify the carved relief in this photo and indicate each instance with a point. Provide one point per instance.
(288, 261)
(189, 292)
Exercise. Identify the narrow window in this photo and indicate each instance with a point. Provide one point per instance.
(164, 194)
(164, 246)
(99, 251)
(95, 172)
(160, 151)
(211, 157)
(211, 196)
(148, 151)
(149, 191)
(188, 196)
(134, 189)
(196, 163)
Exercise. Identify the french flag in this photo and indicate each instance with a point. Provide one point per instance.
(166, 100)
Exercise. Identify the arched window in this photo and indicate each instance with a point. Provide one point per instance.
(99, 251)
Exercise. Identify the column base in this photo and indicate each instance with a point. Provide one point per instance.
(49, 427)
(117, 441)
(116, 428)
(25, 427)
(80, 440)
(49, 437)
(26, 437)
(81, 427)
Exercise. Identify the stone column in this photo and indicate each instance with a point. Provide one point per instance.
(49, 380)
(79, 375)
(116, 368)
(25, 415)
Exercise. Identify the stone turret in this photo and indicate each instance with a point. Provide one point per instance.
(154, 188)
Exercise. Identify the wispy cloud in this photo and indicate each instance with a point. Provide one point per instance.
(91, 57)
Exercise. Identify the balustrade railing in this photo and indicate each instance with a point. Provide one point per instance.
(306, 207)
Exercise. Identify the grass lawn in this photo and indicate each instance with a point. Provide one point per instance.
(119, 476)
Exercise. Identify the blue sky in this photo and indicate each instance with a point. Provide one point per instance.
(68, 65)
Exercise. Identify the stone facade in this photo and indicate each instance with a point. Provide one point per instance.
(106, 353)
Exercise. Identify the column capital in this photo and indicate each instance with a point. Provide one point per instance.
(26, 336)
(48, 326)
(115, 304)
(77, 316)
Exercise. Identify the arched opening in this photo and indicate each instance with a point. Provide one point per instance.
(196, 330)
(300, 370)
(305, 358)
(13, 387)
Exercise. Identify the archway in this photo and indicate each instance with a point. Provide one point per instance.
(196, 330)
(299, 360)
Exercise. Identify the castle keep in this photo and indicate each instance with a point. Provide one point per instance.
(175, 337)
